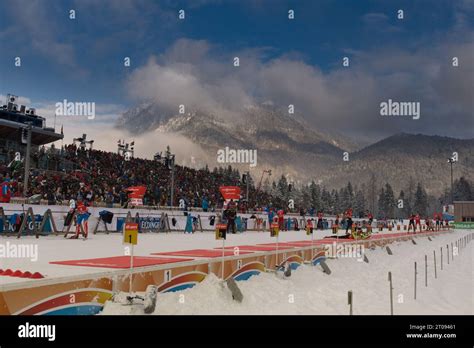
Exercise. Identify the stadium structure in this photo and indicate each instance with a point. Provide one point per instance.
(16, 121)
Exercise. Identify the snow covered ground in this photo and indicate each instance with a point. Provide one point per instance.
(310, 291)
(57, 248)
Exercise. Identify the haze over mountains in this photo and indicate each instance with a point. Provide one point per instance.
(288, 145)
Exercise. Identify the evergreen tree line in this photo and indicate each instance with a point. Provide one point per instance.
(382, 201)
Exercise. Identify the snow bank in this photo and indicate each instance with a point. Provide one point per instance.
(309, 291)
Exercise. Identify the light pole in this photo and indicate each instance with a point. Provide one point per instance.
(248, 183)
(172, 180)
(124, 149)
(245, 179)
(169, 161)
(265, 171)
(29, 130)
(451, 161)
(83, 142)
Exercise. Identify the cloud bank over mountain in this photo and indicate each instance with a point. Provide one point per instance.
(346, 99)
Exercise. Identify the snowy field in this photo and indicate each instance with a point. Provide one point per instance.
(57, 248)
(310, 291)
(307, 291)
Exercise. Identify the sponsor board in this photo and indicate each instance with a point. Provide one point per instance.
(464, 225)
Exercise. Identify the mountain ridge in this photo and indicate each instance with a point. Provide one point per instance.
(290, 147)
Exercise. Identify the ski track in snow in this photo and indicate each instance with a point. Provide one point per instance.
(314, 292)
(57, 248)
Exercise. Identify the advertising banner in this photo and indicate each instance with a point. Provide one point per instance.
(230, 192)
(135, 195)
(464, 225)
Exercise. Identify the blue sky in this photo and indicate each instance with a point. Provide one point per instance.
(100, 37)
(82, 59)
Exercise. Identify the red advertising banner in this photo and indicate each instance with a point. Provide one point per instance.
(230, 192)
(131, 226)
(135, 194)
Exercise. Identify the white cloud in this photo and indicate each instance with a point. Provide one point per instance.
(35, 23)
(343, 99)
(105, 136)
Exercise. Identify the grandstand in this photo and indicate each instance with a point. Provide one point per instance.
(99, 177)
(102, 177)
(15, 121)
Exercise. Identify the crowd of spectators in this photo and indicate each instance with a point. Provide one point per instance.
(100, 176)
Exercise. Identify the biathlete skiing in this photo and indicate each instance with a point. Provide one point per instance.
(348, 220)
(271, 215)
(439, 220)
(412, 223)
(281, 217)
(82, 217)
(418, 221)
(230, 214)
(309, 227)
(335, 226)
(320, 220)
(429, 224)
(370, 217)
